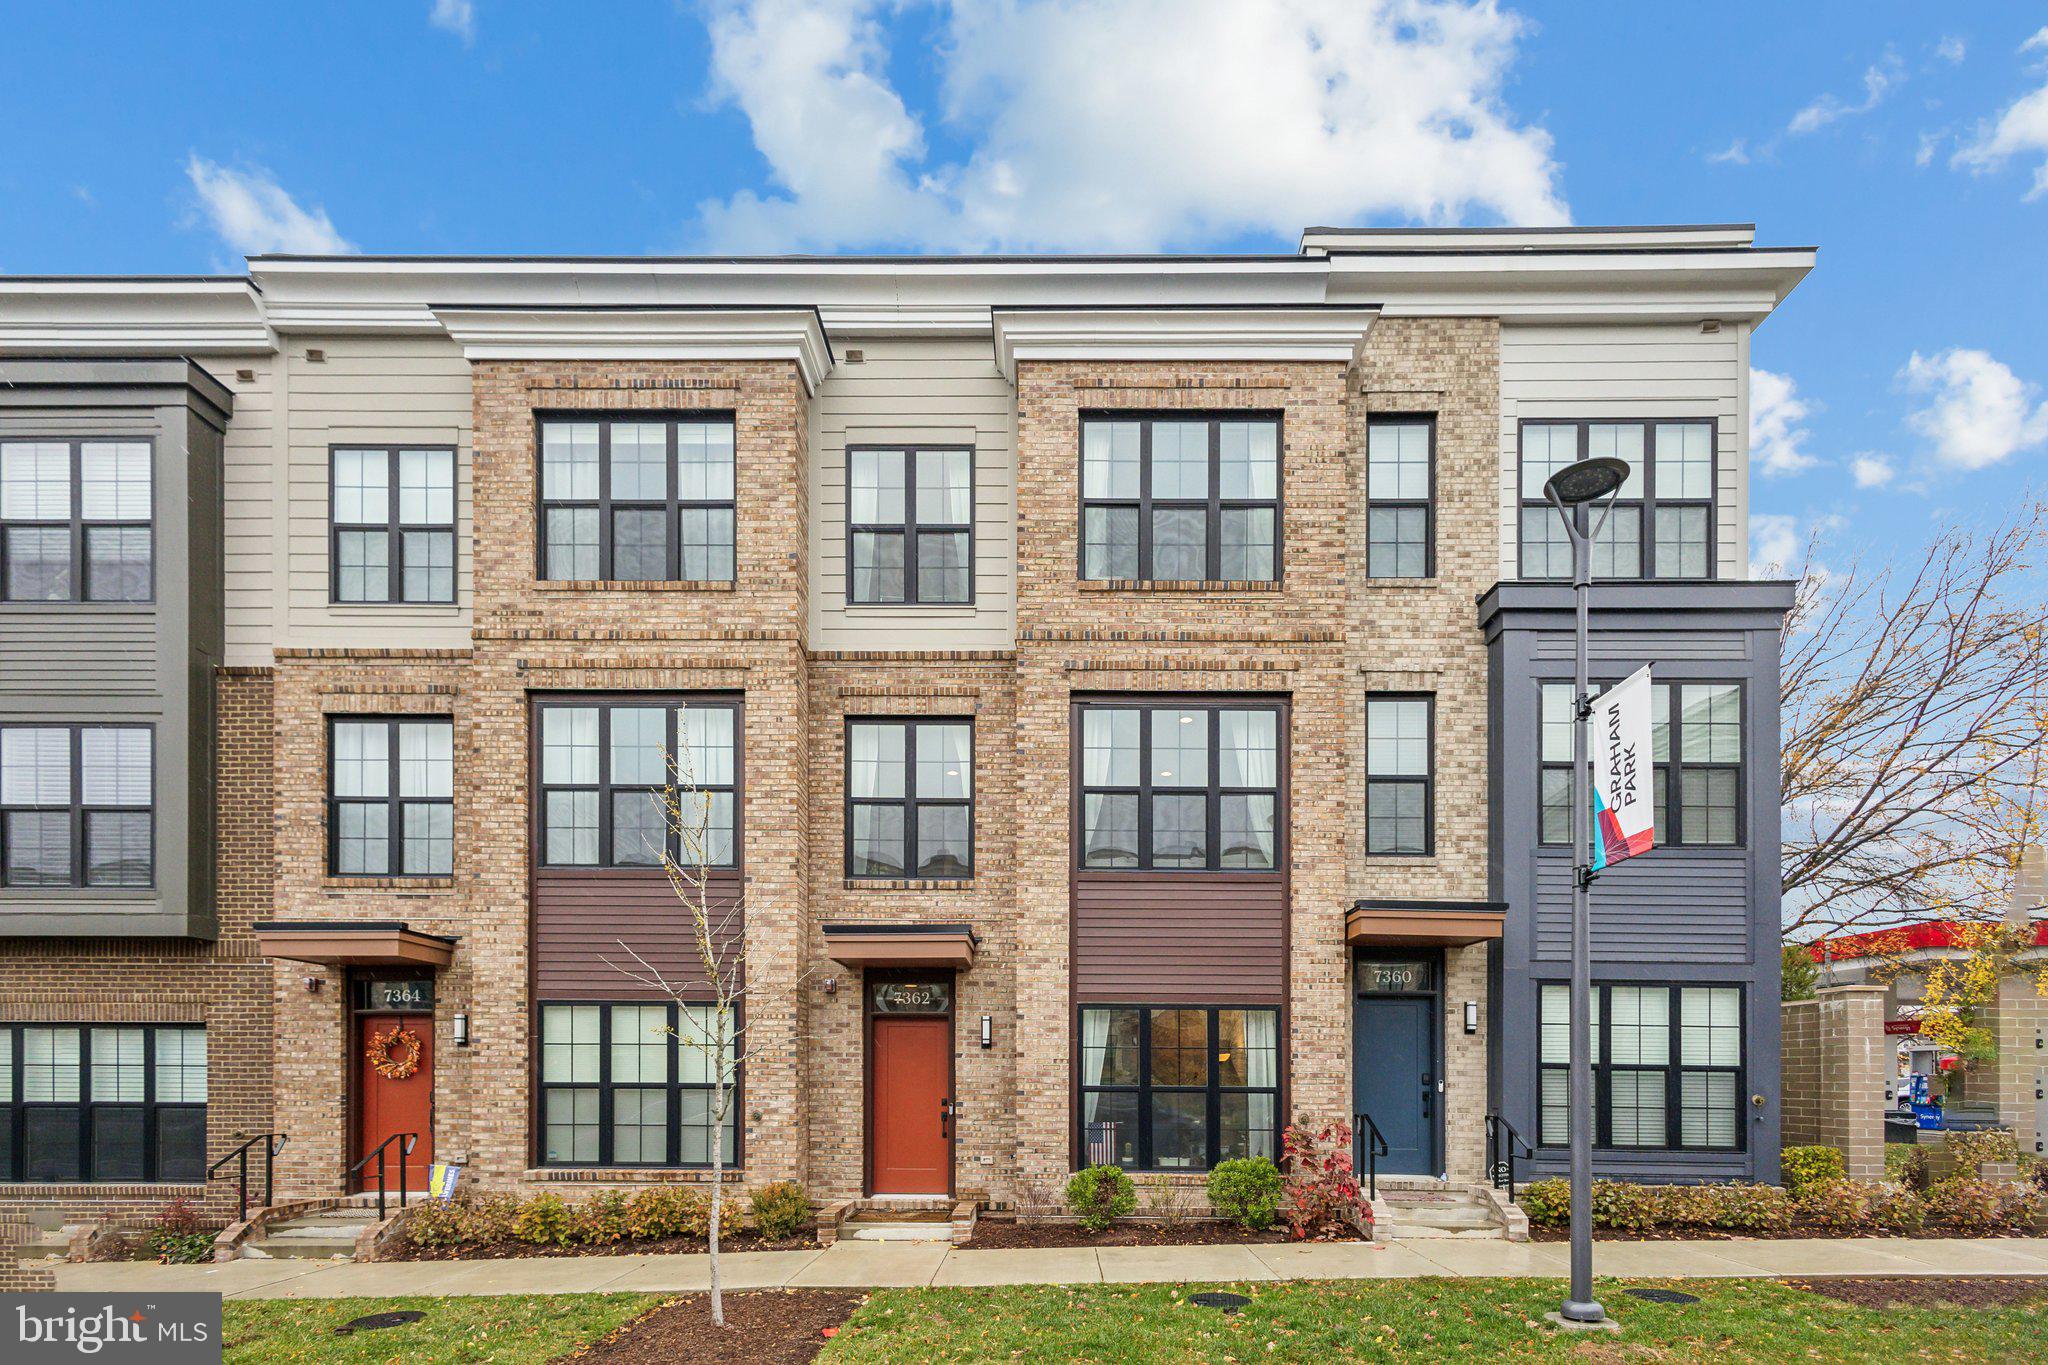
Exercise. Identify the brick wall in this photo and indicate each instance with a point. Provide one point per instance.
(1835, 1059)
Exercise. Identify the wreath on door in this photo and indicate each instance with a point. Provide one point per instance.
(396, 1055)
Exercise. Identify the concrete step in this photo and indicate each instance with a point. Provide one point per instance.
(897, 1232)
(1413, 1234)
(1452, 1219)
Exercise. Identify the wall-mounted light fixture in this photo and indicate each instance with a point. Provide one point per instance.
(831, 985)
(988, 1030)
(312, 985)
(1471, 1016)
(462, 1030)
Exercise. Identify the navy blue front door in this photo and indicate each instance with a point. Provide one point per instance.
(1394, 1079)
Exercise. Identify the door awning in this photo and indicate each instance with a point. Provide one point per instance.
(1423, 924)
(901, 945)
(353, 943)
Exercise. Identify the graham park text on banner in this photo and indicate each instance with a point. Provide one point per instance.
(1624, 816)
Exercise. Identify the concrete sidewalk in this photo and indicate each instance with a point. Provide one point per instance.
(878, 1264)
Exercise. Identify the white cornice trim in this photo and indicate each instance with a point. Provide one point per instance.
(1180, 334)
(139, 316)
(793, 334)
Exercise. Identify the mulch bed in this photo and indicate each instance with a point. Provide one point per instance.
(667, 1246)
(762, 1327)
(1932, 1292)
(1537, 1234)
(994, 1233)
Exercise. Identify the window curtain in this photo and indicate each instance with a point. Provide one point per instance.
(1262, 1048)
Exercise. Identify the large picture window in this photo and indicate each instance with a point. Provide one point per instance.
(1662, 525)
(391, 796)
(608, 773)
(1180, 499)
(393, 531)
(1667, 1066)
(1180, 786)
(639, 500)
(909, 798)
(910, 525)
(1399, 774)
(1177, 1088)
(75, 521)
(1400, 496)
(631, 1085)
(1702, 805)
(107, 1102)
(77, 805)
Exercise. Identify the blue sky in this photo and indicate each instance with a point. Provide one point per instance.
(1906, 377)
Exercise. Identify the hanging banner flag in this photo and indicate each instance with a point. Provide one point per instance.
(1623, 810)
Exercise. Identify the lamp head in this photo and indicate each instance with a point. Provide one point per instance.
(1586, 481)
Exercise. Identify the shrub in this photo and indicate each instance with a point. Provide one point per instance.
(2036, 1173)
(1897, 1209)
(1322, 1197)
(1805, 1166)
(1751, 1208)
(1099, 1195)
(175, 1237)
(1909, 1165)
(730, 1218)
(657, 1214)
(1247, 1192)
(781, 1211)
(1834, 1205)
(1964, 1204)
(1689, 1206)
(1548, 1202)
(544, 1221)
(1624, 1207)
(2022, 1207)
(467, 1220)
(602, 1219)
(1972, 1151)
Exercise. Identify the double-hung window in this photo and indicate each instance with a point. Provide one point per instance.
(637, 500)
(909, 798)
(1400, 490)
(1667, 1066)
(631, 783)
(1180, 499)
(102, 1103)
(75, 521)
(391, 796)
(1399, 774)
(393, 524)
(633, 1085)
(1702, 806)
(1177, 1088)
(1180, 786)
(1662, 523)
(910, 525)
(76, 805)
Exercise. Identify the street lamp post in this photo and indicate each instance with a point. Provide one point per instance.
(1581, 485)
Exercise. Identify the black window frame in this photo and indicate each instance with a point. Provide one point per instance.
(15, 1109)
(77, 525)
(672, 507)
(605, 789)
(1212, 506)
(1668, 774)
(1213, 791)
(910, 528)
(1214, 1090)
(393, 527)
(1674, 1070)
(1427, 781)
(910, 802)
(1426, 505)
(396, 805)
(1647, 505)
(78, 811)
(608, 1089)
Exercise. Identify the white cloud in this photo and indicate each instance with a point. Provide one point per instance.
(1979, 412)
(1776, 438)
(1735, 153)
(1879, 79)
(2022, 130)
(1951, 48)
(1872, 470)
(254, 215)
(1774, 544)
(1238, 119)
(457, 17)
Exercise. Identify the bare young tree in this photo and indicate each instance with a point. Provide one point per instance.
(1911, 702)
(711, 1001)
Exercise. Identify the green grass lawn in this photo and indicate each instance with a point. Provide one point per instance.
(499, 1330)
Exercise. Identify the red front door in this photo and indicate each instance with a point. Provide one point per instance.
(910, 1141)
(392, 1104)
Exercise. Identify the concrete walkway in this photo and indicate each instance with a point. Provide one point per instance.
(877, 1264)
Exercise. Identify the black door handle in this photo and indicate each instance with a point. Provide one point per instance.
(1428, 1096)
(948, 1111)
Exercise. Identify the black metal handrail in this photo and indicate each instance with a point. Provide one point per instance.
(403, 1152)
(273, 1143)
(1375, 1147)
(1500, 1155)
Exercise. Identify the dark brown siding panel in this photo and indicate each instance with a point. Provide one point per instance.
(580, 919)
(1196, 938)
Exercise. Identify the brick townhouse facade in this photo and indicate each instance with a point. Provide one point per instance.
(1121, 694)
